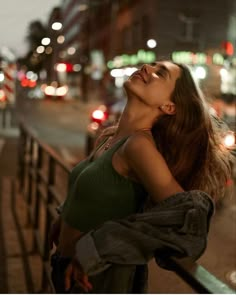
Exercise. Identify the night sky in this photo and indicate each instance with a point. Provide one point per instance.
(15, 16)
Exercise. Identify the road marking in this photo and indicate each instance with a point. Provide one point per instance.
(2, 143)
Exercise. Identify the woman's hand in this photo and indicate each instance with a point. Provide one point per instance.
(53, 236)
(75, 273)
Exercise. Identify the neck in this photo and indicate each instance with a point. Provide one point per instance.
(130, 122)
(120, 133)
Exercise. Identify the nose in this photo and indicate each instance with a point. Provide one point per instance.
(147, 68)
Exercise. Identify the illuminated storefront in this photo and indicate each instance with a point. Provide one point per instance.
(215, 73)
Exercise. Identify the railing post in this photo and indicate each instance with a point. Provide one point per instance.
(21, 158)
(35, 213)
(46, 249)
(29, 176)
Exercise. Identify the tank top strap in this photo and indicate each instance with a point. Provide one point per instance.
(91, 156)
(112, 150)
(118, 144)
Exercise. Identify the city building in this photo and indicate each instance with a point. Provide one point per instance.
(100, 36)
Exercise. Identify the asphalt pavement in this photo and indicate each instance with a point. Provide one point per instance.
(60, 124)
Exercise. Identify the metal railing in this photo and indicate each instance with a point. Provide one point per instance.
(43, 180)
(7, 116)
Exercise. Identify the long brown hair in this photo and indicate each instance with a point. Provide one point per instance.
(190, 142)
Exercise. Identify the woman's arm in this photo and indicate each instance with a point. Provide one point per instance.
(176, 226)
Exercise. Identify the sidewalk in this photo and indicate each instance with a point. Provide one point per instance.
(19, 265)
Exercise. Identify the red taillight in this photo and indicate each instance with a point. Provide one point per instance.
(99, 115)
(2, 95)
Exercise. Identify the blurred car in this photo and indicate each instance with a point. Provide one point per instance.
(100, 118)
(55, 91)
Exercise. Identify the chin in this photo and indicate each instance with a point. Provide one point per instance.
(126, 84)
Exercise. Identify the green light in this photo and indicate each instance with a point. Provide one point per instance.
(133, 59)
(150, 57)
(110, 64)
(182, 56)
(218, 59)
(142, 56)
(201, 58)
(125, 59)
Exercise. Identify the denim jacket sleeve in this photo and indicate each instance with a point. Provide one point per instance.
(176, 226)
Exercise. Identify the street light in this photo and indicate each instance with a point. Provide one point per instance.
(40, 49)
(45, 41)
(56, 26)
(71, 50)
(151, 43)
(60, 39)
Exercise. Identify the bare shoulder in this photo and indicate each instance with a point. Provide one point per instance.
(140, 150)
(140, 143)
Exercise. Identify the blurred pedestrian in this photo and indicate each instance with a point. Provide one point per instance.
(165, 151)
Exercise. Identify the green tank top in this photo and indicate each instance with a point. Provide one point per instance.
(98, 193)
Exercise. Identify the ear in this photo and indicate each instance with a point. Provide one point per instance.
(168, 108)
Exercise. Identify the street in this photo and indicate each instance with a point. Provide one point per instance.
(60, 124)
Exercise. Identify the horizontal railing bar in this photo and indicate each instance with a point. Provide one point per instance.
(42, 177)
(57, 196)
(44, 146)
(198, 277)
(43, 192)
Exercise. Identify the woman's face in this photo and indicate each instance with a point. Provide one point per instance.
(154, 83)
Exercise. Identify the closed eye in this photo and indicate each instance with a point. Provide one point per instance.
(161, 72)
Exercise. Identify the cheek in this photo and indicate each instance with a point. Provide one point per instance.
(133, 87)
(165, 92)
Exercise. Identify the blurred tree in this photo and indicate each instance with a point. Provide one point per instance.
(32, 60)
(36, 32)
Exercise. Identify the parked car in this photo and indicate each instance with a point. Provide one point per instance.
(100, 118)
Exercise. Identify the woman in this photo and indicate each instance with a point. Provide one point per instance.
(164, 145)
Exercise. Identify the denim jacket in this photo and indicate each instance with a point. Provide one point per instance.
(114, 253)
